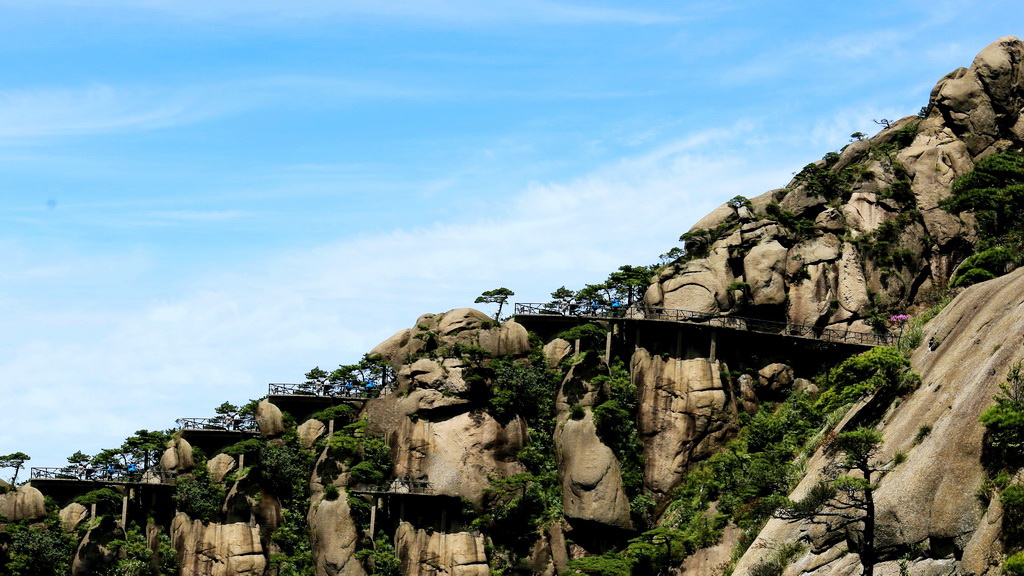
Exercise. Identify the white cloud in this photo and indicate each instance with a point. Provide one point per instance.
(143, 363)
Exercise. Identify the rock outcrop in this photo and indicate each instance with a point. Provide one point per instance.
(799, 252)
(685, 414)
(930, 501)
(24, 503)
(426, 553)
(217, 549)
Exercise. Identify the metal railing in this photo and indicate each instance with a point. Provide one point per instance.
(715, 320)
(327, 390)
(102, 474)
(223, 423)
(398, 486)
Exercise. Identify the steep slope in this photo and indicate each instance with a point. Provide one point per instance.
(928, 506)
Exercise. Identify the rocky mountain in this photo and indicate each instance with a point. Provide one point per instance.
(638, 439)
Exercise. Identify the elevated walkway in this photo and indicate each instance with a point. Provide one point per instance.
(779, 329)
(305, 399)
(743, 344)
(151, 490)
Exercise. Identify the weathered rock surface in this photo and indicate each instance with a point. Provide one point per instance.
(684, 415)
(178, 456)
(269, 419)
(25, 503)
(591, 479)
(217, 549)
(919, 502)
(464, 326)
(72, 515)
(972, 113)
(334, 537)
(458, 454)
(309, 431)
(220, 465)
(430, 553)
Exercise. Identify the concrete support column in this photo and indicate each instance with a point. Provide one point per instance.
(608, 347)
(124, 512)
(714, 344)
(373, 516)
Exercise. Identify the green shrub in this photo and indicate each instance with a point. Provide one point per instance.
(331, 492)
(1015, 564)
(1004, 422)
(36, 549)
(577, 412)
(985, 265)
(382, 559)
(346, 413)
(609, 564)
(1012, 499)
(882, 369)
(922, 433)
(994, 191)
(198, 496)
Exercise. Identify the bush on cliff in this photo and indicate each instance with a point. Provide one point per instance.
(883, 369)
(994, 193)
(1004, 422)
(36, 549)
(198, 496)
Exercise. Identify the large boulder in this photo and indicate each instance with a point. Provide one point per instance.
(682, 404)
(269, 418)
(24, 503)
(591, 478)
(465, 326)
(217, 549)
(334, 537)
(459, 453)
(178, 456)
(763, 267)
(430, 553)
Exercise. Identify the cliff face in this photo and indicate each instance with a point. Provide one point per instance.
(929, 504)
(859, 233)
(517, 448)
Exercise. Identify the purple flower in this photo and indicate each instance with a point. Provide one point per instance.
(899, 318)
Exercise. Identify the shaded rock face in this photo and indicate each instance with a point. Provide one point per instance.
(217, 549)
(72, 515)
(457, 454)
(429, 553)
(815, 274)
(930, 500)
(685, 415)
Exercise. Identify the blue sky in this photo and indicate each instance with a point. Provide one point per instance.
(202, 197)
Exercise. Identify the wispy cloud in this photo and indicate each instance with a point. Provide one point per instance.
(139, 363)
(93, 109)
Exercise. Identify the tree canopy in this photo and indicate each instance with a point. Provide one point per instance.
(14, 460)
(497, 296)
(994, 193)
